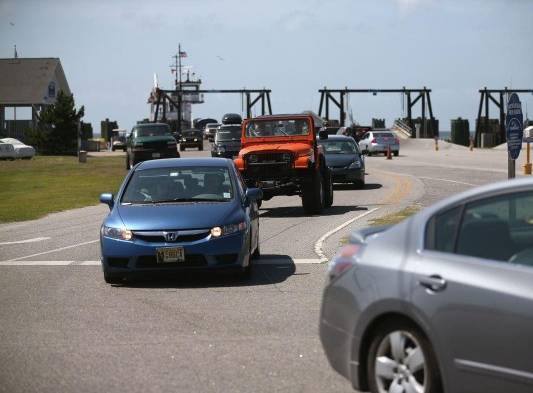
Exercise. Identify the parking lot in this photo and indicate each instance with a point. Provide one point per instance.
(64, 329)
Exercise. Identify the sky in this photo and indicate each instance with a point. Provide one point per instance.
(110, 51)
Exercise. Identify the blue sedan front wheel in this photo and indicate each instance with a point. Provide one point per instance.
(112, 278)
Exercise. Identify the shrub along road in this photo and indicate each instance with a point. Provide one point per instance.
(64, 329)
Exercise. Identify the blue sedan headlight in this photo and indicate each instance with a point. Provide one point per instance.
(228, 229)
(116, 233)
(355, 164)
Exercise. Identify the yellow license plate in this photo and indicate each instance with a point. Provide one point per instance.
(170, 255)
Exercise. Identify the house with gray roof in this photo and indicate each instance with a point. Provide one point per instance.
(28, 82)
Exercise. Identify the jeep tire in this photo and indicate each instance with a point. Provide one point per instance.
(313, 194)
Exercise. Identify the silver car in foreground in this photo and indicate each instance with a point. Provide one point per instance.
(442, 302)
(375, 142)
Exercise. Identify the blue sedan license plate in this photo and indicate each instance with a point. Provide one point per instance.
(170, 254)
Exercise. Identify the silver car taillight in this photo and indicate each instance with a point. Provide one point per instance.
(343, 260)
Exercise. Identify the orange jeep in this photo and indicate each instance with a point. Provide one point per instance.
(280, 155)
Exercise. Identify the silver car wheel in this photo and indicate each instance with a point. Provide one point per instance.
(400, 364)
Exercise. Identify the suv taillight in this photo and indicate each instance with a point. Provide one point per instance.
(373, 141)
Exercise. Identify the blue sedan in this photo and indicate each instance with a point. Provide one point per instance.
(345, 160)
(179, 214)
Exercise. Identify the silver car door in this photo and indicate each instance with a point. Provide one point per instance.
(479, 306)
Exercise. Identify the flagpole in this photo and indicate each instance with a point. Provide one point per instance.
(179, 88)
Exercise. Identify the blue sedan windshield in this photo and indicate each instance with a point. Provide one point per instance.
(339, 147)
(187, 184)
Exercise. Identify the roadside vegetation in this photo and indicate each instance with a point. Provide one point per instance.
(31, 189)
(395, 218)
(390, 219)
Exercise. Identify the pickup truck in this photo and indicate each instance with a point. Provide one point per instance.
(150, 141)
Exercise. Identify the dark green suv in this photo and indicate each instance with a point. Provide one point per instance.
(150, 141)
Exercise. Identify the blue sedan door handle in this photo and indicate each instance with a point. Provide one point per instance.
(433, 283)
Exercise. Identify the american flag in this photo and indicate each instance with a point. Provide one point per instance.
(183, 54)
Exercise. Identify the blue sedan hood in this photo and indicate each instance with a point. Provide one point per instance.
(340, 160)
(175, 216)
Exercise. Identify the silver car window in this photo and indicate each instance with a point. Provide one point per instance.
(499, 228)
(442, 231)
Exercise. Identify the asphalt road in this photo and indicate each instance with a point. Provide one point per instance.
(63, 329)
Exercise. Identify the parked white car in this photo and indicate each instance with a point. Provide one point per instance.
(7, 151)
(21, 150)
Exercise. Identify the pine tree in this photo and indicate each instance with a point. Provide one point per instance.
(58, 127)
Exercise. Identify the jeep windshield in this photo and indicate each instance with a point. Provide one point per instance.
(228, 134)
(277, 128)
(152, 130)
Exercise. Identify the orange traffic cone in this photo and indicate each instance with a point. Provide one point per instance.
(389, 155)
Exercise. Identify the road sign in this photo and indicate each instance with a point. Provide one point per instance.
(514, 126)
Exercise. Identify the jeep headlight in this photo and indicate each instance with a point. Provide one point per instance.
(252, 158)
(287, 157)
(116, 233)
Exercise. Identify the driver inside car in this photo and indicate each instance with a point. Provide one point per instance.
(213, 183)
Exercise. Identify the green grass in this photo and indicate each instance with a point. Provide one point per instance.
(30, 189)
(395, 218)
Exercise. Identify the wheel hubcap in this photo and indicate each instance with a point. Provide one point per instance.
(400, 365)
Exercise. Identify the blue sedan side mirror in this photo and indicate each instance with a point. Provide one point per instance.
(253, 194)
(107, 198)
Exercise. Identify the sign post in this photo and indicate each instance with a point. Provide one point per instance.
(514, 127)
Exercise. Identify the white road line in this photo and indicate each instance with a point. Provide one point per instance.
(448, 180)
(35, 263)
(320, 242)
(34, 240)
(54, 250)
(262, 261)
(89, 263)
